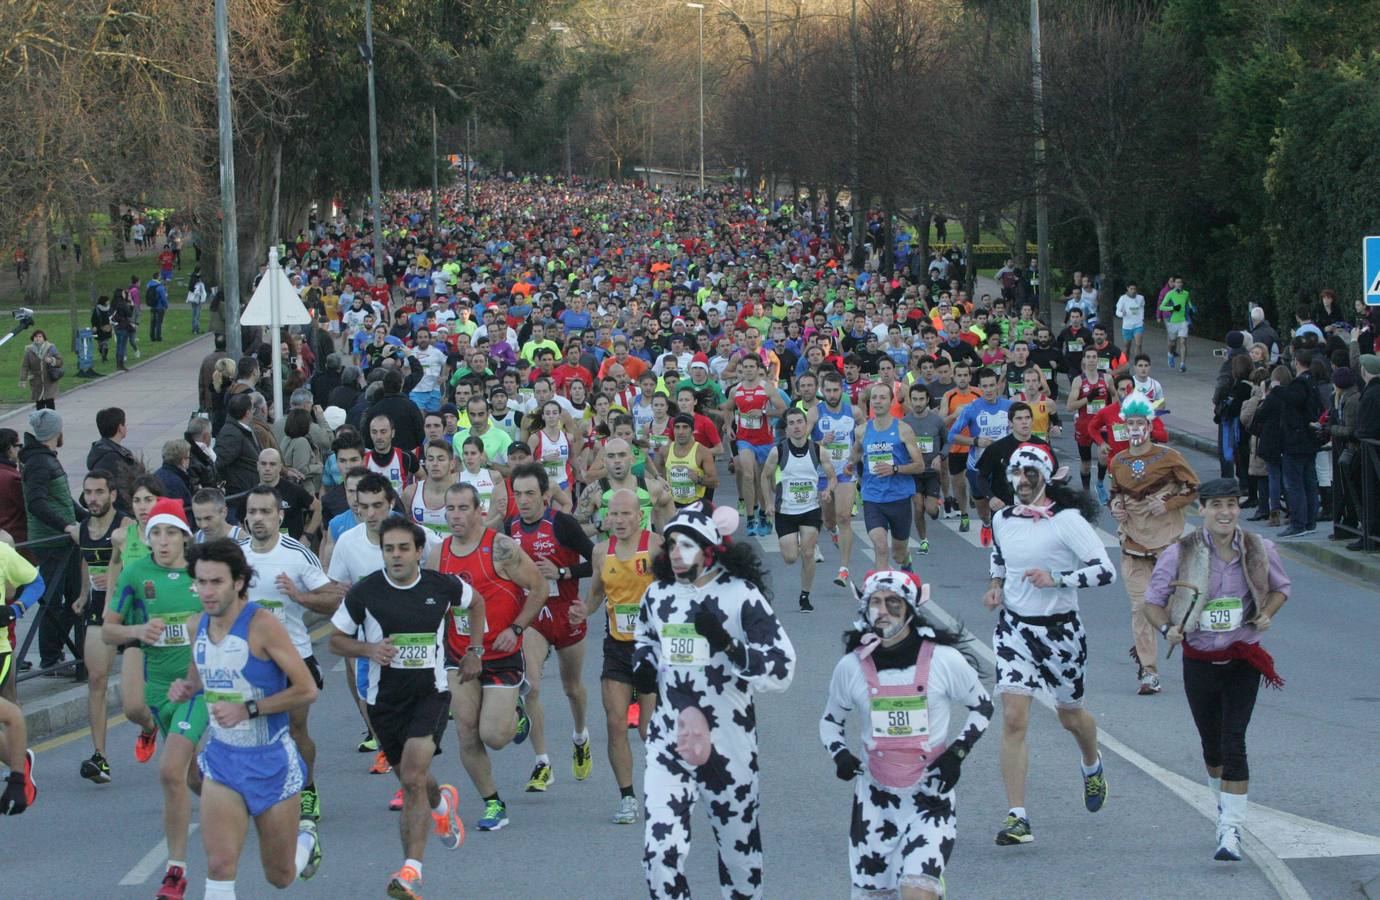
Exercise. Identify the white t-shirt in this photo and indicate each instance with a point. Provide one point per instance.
(295, 560)
(1151, 388)
(356, 557)
(1131, 310)
(433, 361)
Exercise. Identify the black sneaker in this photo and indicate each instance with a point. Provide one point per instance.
(96, 769)
(1015, 831)
(805, 605)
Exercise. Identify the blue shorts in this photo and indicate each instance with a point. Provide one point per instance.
(427, 401)
(264, 775)
(1128, 334)
(892, 515)
(761, 451)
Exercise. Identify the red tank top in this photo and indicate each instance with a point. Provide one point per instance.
(751, 417)
(502, 598)
(1096, 393)
(540, 542)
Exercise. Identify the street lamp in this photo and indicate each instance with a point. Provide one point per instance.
(230, 252)
(367, 51)
(700, 7)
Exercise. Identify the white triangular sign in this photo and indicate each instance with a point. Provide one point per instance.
(291, 311)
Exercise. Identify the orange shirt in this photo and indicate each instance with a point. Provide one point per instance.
(954, 401)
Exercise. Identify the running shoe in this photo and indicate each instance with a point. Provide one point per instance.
(313, 861)
(582, 761)
(1095, 789)
(405, 884)
(963, 523)
(985, 536)
(1102, 496)
(96, 769)
(924, 547)
(819, 554)
(805, 604)
(1016, 831)
(311, 805)
(841, 579)
(1149, 683)
(627, 811)
(634, 712)
(30, 786)
(495, 816)
(174, 885)
(1183, 367)
(1170, 358)
(542, 778)
(145, 745)
(368, 745)
(396, 804)
(381, 765)
(742, 507)
(449, 828)
(524, 725)
(834, 535)
(950, 506)
(1228, 844)
(907, 567)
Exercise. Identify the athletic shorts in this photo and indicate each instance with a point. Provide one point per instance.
(893, 515)
(188, 720)
(1176, 329)
(553, 623)
(786, 523)
(264, 775)
(6, 659)
(94, 614)
(978, 486)
(425, 717)
(618, 660)
(1130, 334)
(427, 401)
(502, 671)
(958, 463)
(761, 451)
(1041, 653)
(927, 484)
(1085, 452)
(315, 669)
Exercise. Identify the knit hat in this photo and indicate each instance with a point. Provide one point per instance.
(167, 511)
(1343, 378)
(1236, 339)
(906, 584)
(46, 424)
(334, 416)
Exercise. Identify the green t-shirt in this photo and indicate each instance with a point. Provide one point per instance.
(1176, 303)
(716, 393)
(147, 591)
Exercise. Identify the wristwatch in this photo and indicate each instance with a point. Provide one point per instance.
(562, 572)
(517, 629)
(252, 708)
(1164, 630)
(960, 752)
(474, 648)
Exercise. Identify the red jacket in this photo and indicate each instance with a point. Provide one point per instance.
(12, 517)
(1107, 427)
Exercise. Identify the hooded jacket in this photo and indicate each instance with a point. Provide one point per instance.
(47, 495)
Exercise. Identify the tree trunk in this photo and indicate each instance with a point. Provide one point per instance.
(1018, 237)
(117, 232)
(1102, 225)
(972, 229)
(886, 263)
(37, 283)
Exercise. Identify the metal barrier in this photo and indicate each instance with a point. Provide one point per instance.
(1366, 500)
(54, 589)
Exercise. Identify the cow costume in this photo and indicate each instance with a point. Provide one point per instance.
(706, 641)
(907, 693)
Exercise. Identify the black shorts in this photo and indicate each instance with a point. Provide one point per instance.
(786, 523)
(424, 717)
(958, 463)
(94, 614)
(618, 660)
(927, 484)
(506, 671)
(315, 669)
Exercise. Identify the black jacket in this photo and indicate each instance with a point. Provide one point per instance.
(992, 465)
(1300, 407)
(178, 486)
(405, 416)
(202, 471)
(322, 384)
(1368, 415)
(237, 457)
(120, 462)
(47, 496)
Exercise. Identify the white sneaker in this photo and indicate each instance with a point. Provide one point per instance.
(819, 557)
(1228, 844)
(1149, 683)
(627, 811)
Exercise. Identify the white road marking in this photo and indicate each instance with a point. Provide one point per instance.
(150, 863)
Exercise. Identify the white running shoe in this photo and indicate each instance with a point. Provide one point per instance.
(627, 811)
(1228, 844)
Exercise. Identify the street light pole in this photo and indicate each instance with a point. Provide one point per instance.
(1041, 175)
(854, 201)
(700, 7)
(435, 174)
(373, 137)
(230, 244)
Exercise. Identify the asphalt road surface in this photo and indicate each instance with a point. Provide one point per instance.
(1312, 749)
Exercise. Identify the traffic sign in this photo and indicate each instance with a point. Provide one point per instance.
(291, 309)
(1370, 255)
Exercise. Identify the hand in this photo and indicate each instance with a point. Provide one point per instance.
(1174, 635)
(995, 503)
(74, 532)
(1155, 506)
(992, 599)
(79, 604)
(947, 768)
(936, 462)
(884, 469)
(15, 800)
(153, 630)
(1261, 621)
(709, 627)
(984, 441)
(848, 468)
(1041, 578)
(826, 495)
(1118, 509)
(286, 585)
(548, 569)
(578, 613)
(847, 766)
(228, 715)
(383, 652)
(292, 473)
(505, 641)
(10, 613)
(100, 582)
(181, 690)
(1056, 430)
(470, 667)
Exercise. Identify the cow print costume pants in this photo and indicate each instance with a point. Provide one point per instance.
(899, 838)
(1041, 653)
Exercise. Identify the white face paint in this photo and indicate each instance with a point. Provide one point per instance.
(887, 613)
(1137, 432)
(686, 557)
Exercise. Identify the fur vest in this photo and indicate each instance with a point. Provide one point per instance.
(1195, 568)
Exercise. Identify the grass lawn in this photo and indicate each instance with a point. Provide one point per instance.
(177, 330)
(109, 277)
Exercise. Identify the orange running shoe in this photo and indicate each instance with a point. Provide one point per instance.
(145, 745)
(396, 803)
(381, 765)
(449, 828)
(405, 884)
(634, 714)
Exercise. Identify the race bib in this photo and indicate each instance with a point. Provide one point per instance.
(1074, 346)
(876, 460)
(926, 443)
(276, 607)
(462, 620)
(750, 421)
(900, 717)
(175, 633)
(1104, 364)
(415, 651)
(1048, 373)
(838, 452)
(1096, 406)
(1222, 614)
(682, 645)
(625, 617)
(682, 488)
(219, 696)
(802, 491)
(552, 589)
(1121, 434)
(555, 468)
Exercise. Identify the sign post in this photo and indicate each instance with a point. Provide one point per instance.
(275, 303)
(1370, 266)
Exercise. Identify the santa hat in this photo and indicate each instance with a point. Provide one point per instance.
(699, 359)
(167, 511)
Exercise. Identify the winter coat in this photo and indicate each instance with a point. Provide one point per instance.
(35, 372)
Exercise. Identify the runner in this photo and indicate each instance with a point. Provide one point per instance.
(1176, 309)
(401, 612)
(98, 495)
(425, 500)
(1089, 394)
(246, 671)
(154, 603)
(493, 490)
(488, 710)
(998, 455)
(931, 436)
(399, 466)
(910, 679)
(653, 495)
(980, 424)
(1152, 485)
(622, 572)
(210, 515)
(1216, 590)
(1044, 549)
(751, 403)
(690, 470)
(791, 474)
(552, 445)
(561, 550)
(21, 577)
(287, 580)
(832, 424)
(707, 640)
(956, 500)
(886, 454)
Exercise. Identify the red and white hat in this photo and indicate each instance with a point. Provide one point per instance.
(167, 511)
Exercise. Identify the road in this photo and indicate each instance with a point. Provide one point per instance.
(1312, 758)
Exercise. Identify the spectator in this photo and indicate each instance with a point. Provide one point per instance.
(156, 293)
(40, 370)
(327, 380)
(111, 455)
(237, 448)
(12, 520)
(1262, 332)
(302, 400)
(202, 465)
(222, 381)
(126, 329)
(1250, 444)
(299, 451)
(1346, 474)
(1300, 411)
(207, 372)
(51, 514)
(177, 458)
(1368, 429)
(346, 394)
(263, 429)
(402, 412)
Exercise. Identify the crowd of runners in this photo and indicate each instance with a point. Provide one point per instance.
(523, 430)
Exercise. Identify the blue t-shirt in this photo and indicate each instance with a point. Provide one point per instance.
(575, 321)
(982, 419)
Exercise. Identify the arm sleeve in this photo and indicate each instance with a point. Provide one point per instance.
(960, 423)
(1188, 478)
(572, 536)
(768, 661)
(32, 592)
(832, 730)
(1095, 568)
(997, 565)
(350, 614)
(1158, 591)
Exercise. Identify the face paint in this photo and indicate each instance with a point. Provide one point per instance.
(1137, 434)
(893, 613)
(686, 557)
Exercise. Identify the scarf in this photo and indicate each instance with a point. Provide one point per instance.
(1258, 657)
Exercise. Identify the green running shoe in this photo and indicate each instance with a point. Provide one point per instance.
(541, 779)
(1095, 789)
(495, 816)
(1016, 831)
(311, 805)
(582, 761)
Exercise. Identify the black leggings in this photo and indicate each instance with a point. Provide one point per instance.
(1222, 698)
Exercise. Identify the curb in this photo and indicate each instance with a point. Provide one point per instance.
(62, 712)
(1192, 441)
(104, 379)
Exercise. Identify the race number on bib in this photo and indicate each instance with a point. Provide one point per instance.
(625, 617)
(276, 607)
(750, 421)
(462, 620)
(876, 460)
(1096, 406)
(219, 696)
(682, 645)
(415, 651)
(926, 442)
(900, 717)
(838, 452)
(1222, 614)
(1121, 434)
(801, 491)
(682, 488)
(175, 632)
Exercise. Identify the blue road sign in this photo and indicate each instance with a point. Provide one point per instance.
(1370, 254)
